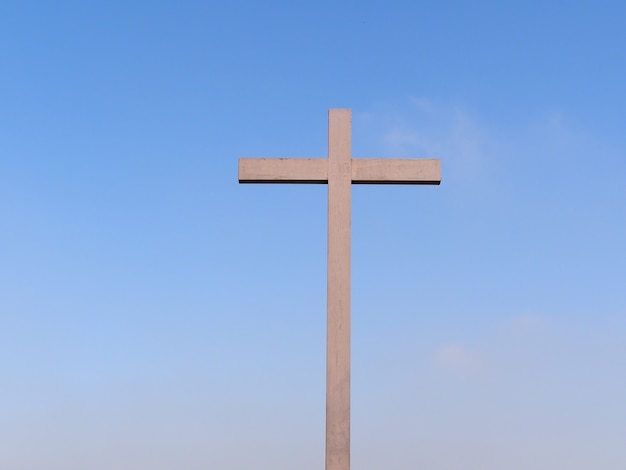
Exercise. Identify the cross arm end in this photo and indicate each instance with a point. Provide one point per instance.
(283, 170)
(396, 171)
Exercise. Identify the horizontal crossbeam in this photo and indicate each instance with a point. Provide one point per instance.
(364, 170)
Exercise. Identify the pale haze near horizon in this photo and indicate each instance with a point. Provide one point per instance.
(156, 314)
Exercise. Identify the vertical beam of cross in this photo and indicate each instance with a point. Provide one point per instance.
(338, 300)
(339, 170)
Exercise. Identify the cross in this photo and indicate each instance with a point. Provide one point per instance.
(339, 171)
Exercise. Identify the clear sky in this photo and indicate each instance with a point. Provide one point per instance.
(155, 314)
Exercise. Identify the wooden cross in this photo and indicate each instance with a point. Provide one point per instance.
(339, 171)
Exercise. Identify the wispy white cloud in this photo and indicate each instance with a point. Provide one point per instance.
(473, 149)
(459, 360)
(426, 129)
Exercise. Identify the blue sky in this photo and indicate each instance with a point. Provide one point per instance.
(156, 314)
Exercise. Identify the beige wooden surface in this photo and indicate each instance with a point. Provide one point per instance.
(283, 170)
(396, 171)
(315, 170)
(338, 300)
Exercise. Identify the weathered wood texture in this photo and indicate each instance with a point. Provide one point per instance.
(283, 170)
(395, 171)
(315, 170)
(338, 316)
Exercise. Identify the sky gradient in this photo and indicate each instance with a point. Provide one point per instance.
(155, 314)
